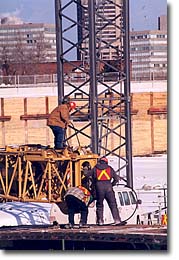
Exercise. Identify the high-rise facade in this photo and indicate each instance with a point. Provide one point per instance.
(108, 21)
(27, 42)
(148, 53)
(162, 23)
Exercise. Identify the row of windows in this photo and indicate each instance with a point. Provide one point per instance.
(20, 36)
(8, 49)
(24, 42)
(27, 52)
(7, 31)
(140, 65)
(148, 48)
(148, 54)
(50, 29)
(147, 72)
(164, 59)
(145, 59)
(148, 42)
(29, 36)
(148, 36)
(151, 65)
(160, 65)
(148, 59)
(144, 48)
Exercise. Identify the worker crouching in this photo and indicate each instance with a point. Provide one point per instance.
(78, 199)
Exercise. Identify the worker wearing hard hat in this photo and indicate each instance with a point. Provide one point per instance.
(104, 178)
(78, 199)
(58, 121)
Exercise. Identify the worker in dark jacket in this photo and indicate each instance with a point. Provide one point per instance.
(105, 178)
(58, 121)
(78, 199)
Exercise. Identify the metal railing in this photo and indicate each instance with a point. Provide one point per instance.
(75, 77)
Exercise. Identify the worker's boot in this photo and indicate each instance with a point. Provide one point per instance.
(119, 223)
(99, 214)
(81, 225)
(68, 226)
(100, 222)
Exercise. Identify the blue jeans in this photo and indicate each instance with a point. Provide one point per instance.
(59, 136)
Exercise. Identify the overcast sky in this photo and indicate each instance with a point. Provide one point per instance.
(143, 13)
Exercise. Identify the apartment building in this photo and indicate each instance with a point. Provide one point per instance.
(27, 42)
(108, 20)
(148, 52)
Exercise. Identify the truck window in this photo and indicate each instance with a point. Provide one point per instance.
(132, 197)
(126, 198)
(121, 199)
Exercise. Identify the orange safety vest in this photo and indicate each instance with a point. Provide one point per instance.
(164, 219)
(87, 194)
(85, 191)
(103, 175)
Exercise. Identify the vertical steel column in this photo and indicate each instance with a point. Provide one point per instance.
(59, 50)
(93, 79)
(129, 170)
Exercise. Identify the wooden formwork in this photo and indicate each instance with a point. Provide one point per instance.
(36, 173)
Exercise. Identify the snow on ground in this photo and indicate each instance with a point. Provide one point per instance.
(150, 171)
(148, 174)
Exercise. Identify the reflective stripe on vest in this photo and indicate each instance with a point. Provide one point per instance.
(103, 175)
(87, 194)
(85, 191)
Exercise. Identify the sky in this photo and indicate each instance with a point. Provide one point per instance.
(143, 13)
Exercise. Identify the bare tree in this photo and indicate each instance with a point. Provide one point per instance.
(26, 53)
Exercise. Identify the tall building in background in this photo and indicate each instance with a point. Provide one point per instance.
(148, 52)
(162, 23)
(108, 33)
(27, 42)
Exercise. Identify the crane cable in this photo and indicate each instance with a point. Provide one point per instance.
(76, 133)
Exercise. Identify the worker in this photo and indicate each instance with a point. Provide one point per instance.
(86, 167)
(104, 178)
(59, 120)
(78, 199)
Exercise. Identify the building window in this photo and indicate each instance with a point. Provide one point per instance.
(29, 35)
(140, 37)
(160, 35)
(29, 41)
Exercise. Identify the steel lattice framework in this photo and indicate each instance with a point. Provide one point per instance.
(103, 96)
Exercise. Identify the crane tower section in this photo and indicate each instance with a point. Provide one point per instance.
(92, 36)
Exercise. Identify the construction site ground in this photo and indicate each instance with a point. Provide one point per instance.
(127, 237)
